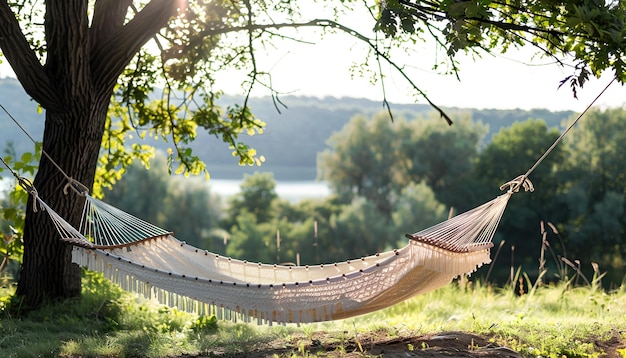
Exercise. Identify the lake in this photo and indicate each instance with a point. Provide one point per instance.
(291, 190)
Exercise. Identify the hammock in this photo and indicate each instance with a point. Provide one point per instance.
(146, 259)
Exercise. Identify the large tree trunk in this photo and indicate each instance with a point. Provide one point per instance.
(74, 87)
(72, 140)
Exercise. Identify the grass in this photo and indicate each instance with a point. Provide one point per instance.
(550, 321)
(554, 321)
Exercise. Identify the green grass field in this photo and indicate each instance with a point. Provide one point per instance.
(549, 321)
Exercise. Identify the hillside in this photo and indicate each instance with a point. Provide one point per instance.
(291, 139)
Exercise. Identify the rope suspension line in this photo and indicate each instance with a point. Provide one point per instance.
(523, 178)
(72, 183)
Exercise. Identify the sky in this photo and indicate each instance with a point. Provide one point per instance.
(517, 79)
(514, 80)
(491, 82)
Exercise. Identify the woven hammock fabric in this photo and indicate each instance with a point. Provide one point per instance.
(158, 265)
(281, 293)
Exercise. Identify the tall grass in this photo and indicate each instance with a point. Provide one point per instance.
(554, 320)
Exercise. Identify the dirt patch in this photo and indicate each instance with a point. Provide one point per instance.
(379, 344)
(611, 347)
(446, 344)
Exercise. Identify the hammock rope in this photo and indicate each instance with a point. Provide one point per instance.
(107, 226)
(560, 138)
(470, 231)
(149, 260)
(72, 183)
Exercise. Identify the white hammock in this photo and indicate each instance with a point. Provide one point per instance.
(143, 258)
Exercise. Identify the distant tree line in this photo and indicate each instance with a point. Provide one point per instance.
(308, 121)
(391, 178)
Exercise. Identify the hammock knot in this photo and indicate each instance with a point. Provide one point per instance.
(515, 184)
(28, 186)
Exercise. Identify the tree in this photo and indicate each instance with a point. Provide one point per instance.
(252, 241)
(361, 230)
(83, 61)
(184, 206)
(312, 232)
(375, 158)
(418, 209)
(511, 153)
(596, 188)
(72, 56)
(142, 192)
(257, 195)
(361, 159)
(440, 156)
(590, 33)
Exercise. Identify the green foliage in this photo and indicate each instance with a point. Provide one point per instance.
(417, 209)
(182, 205)
(116, 155)
(515, 149)
(12, 208)
(592, 32)
(307, 229)
(144, 191)
(349, 225)
(257, 195)
(11, 252)
(204, 324)
(328, 230)
(596, 188)
(360, 161)
(252, 241)
(442, 157)
(187, 102)
(511, 153)
(376, 159)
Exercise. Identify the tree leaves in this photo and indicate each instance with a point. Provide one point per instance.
(590, 31)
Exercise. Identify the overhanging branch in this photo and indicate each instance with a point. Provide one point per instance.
(110, 58)
(326, 23)
(108, 16)
(24, 61)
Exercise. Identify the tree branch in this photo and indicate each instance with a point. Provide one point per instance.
(382, 55)
(332, 24)
(509, 26)
(108, 59)
(255, 71)
(66, 29)
(108, 16)
(24, 61)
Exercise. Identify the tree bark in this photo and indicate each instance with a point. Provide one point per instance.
(81, 70)
(47, 271)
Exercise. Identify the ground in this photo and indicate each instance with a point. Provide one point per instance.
(445, 344)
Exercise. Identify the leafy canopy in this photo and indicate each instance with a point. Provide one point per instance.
(585, 34)
(169, 90)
